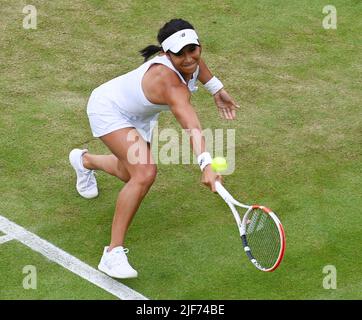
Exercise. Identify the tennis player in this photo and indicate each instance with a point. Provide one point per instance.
(124, 110)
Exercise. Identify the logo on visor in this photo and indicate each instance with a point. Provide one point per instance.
(183, 34)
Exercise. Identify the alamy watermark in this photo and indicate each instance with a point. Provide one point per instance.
(30, 20)
(30, 281)
(170, 146)
(330, 20)
(330, 280)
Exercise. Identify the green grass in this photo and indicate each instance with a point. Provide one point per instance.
(52, 281)
(298, 147)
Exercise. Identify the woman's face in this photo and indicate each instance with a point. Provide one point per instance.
(187, 59)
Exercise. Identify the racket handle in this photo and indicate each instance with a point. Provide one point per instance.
(227, 196)
(223, 192)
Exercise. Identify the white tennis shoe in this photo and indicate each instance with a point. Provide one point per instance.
(86, 181)
(115, 263)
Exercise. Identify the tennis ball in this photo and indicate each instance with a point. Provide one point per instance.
(219, 164)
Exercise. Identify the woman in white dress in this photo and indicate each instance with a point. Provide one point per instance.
(125, 109)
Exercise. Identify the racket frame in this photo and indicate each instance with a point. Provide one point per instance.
(241, 223)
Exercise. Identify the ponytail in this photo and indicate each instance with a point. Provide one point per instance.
(149, 51)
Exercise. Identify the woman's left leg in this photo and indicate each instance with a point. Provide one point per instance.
(107, 163)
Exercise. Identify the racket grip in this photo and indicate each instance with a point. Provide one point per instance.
(223, 192)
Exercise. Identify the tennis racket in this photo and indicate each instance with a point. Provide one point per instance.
(261, 232)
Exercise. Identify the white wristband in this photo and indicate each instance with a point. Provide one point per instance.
(213, 85)
(203, 160)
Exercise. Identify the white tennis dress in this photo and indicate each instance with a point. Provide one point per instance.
(121, 102)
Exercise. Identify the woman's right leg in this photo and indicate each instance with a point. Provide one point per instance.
(141, 175)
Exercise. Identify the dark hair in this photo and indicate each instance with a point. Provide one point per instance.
(167, 30)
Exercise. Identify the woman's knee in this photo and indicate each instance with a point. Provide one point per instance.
(145, 174)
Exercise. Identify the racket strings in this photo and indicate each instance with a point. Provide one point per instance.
(263, 238)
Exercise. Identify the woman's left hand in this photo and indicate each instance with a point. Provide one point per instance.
(225, 104)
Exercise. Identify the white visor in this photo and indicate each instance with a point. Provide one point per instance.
(179, 39)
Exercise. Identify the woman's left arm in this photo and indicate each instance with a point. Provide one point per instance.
(204, 72)
(224, 102)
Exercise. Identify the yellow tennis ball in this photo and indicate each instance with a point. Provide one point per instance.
(219, 164)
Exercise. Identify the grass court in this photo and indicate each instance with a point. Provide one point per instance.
(298, 147)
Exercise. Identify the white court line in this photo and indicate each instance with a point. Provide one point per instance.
(5, 238)
(68, 261)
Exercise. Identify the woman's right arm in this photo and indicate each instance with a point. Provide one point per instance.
(177, 96)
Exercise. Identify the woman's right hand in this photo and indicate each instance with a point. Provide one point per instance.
(209, 177)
